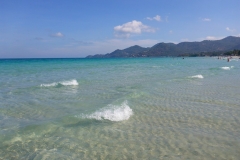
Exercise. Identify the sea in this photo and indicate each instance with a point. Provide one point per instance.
(123, 108)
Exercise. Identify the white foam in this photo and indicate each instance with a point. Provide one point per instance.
(225, 68)
(72, 82)
(197, 76)
(49, 85)
(112, 113)
(69, 83)
(232, 66)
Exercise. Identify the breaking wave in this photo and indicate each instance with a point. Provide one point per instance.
(72, 82)
(111, 112)
(197, 76)
(225, 68)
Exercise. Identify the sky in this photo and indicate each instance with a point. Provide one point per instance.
(77, 28)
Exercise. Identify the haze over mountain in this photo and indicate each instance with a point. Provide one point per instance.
(171, 49)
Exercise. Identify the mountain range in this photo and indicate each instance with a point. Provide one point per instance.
(171, 49)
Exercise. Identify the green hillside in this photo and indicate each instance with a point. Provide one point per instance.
(206, 47)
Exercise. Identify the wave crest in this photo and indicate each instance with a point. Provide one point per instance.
(197, 76)
(225, 68)
(112, 113)
(72, 82)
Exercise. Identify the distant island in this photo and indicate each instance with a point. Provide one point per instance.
(226, 46)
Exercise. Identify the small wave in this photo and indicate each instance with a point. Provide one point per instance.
(225, 68)
(197, 76)
(69, 83)
(72, 82)
(49, 85)
(111, 112)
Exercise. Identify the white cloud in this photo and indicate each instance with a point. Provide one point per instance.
(157, 18)
(58, 34)
(134, 27)
(210, 38)
(206, 19)
(230, 30)
(213, 38)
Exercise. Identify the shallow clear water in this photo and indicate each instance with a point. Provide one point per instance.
(143, 108)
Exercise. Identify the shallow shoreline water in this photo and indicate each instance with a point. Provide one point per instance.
(143, 108)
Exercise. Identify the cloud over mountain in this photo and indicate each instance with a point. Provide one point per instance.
(230, 30)
(129, 28)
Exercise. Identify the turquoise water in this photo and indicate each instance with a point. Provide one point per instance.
(143, 108)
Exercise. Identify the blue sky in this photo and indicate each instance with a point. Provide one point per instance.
(77, 28)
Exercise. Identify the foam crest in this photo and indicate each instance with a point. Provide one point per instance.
(49, 85)
(112, 113)
(69, 83)
(225, 68)
(197, 76)
(72, 82)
